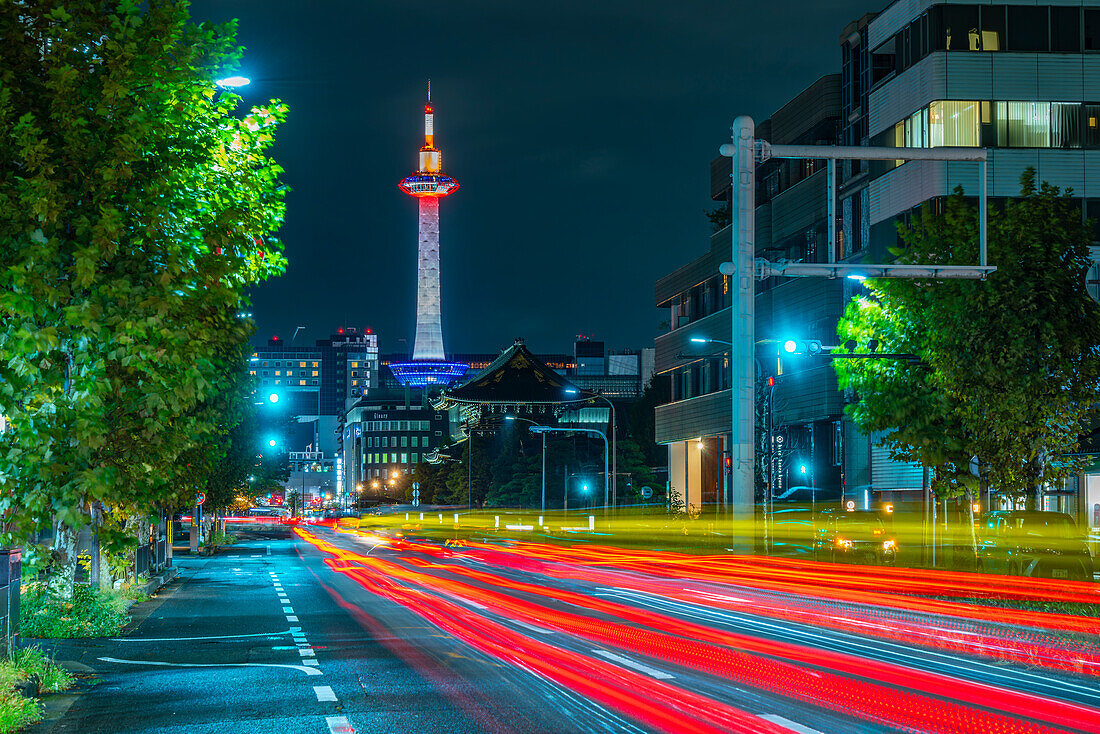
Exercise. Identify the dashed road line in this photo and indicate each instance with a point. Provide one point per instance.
(652, 672)
(788, 724)
(339, 725)
(306, 652)
(324, 693)
(291, 618)
(288, 610)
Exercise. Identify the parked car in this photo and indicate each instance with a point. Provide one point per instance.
(855, 536)
(1034, 543)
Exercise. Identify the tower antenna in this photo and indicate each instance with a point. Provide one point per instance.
(429, 90)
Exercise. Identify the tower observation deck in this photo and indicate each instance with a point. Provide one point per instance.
(429, 365)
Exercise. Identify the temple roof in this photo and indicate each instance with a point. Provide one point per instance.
(515, 377)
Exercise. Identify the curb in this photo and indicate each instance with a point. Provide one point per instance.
(157, 582)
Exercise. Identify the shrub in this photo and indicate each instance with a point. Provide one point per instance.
(90, 612)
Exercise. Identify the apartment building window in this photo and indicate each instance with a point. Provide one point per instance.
(315, 373)
(414, 441)
(301, 364)
(301, 382)
(1028, 28)
(385, 442)
(404, 458)
(315, 364)
(1023, 124)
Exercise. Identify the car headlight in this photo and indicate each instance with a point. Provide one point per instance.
(888, 545)
(842, 543)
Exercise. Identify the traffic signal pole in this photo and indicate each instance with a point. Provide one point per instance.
(744, 267)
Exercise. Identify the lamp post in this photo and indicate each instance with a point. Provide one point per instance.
(614, 450)
(533, 423)
(606, 451)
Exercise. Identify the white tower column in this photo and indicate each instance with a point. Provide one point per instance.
(429, 327)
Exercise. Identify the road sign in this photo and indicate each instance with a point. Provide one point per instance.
(647, 492)
(416, 493)
(200, 498)
(416, 485)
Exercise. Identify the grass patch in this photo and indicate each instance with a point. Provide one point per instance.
(15, 710)
(52, 677)
(91, 612)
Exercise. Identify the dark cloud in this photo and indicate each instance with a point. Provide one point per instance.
(581, 133)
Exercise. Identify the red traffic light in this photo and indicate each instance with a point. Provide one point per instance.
(771, 382)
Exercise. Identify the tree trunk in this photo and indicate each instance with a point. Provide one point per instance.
(63, 576)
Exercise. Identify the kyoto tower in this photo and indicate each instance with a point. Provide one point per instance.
(429, 365)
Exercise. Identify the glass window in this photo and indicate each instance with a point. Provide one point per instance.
(315, 364)
(1092, 29)
(883, 61)
(1091, 125)
(414, 458)
(1028, 28)
(279, 372)
(301, 364)
(385, 442)
(1065, 30)
(404, 442)
(301, 382)
(314, 373)
(953, 123)
(414, 441)
(1023, 124)
(959, 28)
(1065, 125)
(993, 28)
(404, 458)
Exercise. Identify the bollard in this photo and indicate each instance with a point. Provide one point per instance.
(497, 524)
(421, 517)
(456, 518)
(591, 522)
(406, 517)
(441, 517)
(541, 524)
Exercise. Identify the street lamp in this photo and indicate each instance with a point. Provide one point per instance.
(606, 451)
(614, 450)
(533, 423)
(233, 82)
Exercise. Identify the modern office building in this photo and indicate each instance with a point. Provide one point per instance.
(1020, 80)
(305, 391)
(791, 223)
(384, 438)
(429, 365)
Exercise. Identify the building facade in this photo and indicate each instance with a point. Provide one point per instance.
(305, 391)
(1020, 80)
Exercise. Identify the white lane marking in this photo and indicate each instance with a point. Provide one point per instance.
(291, 618)
(288, 610)
(533, 628)
(324, 693)
(256, 556)
(296, 631)
(304, 669)
(652, 672)
(212, 637)
(311, 661)
(788, 724)
(339, 725)
(306, 652)
(474, 604)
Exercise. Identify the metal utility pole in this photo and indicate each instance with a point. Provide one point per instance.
(606, 451)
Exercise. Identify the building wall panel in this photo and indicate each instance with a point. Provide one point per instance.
(677, 341)
(1015, 76)
(1090, 78)
(1061, 77)
(967, 76)
(706, 415)
(799, 207)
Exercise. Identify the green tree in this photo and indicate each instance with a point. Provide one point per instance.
(134, 210)
(1009, 365)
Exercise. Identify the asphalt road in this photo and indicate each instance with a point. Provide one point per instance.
(334, 632)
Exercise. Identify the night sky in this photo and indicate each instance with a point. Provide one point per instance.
(581, 134)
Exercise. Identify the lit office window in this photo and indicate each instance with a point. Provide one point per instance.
(277, 382)
(404, 458)
(953, 123)
(1023, 124)
(315, 373)
(301, 382)
(1092, 124)
(355, 382)
(314, 364)
(278, 373)
(354, 364)
(1065, 125)
(301, 364)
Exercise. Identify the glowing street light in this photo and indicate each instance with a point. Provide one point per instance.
(232, 82)
(273, 397)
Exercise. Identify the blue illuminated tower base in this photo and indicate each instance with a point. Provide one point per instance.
(426, 374)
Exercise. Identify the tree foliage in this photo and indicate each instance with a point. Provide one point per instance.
(135, 209)
(1009, 365)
